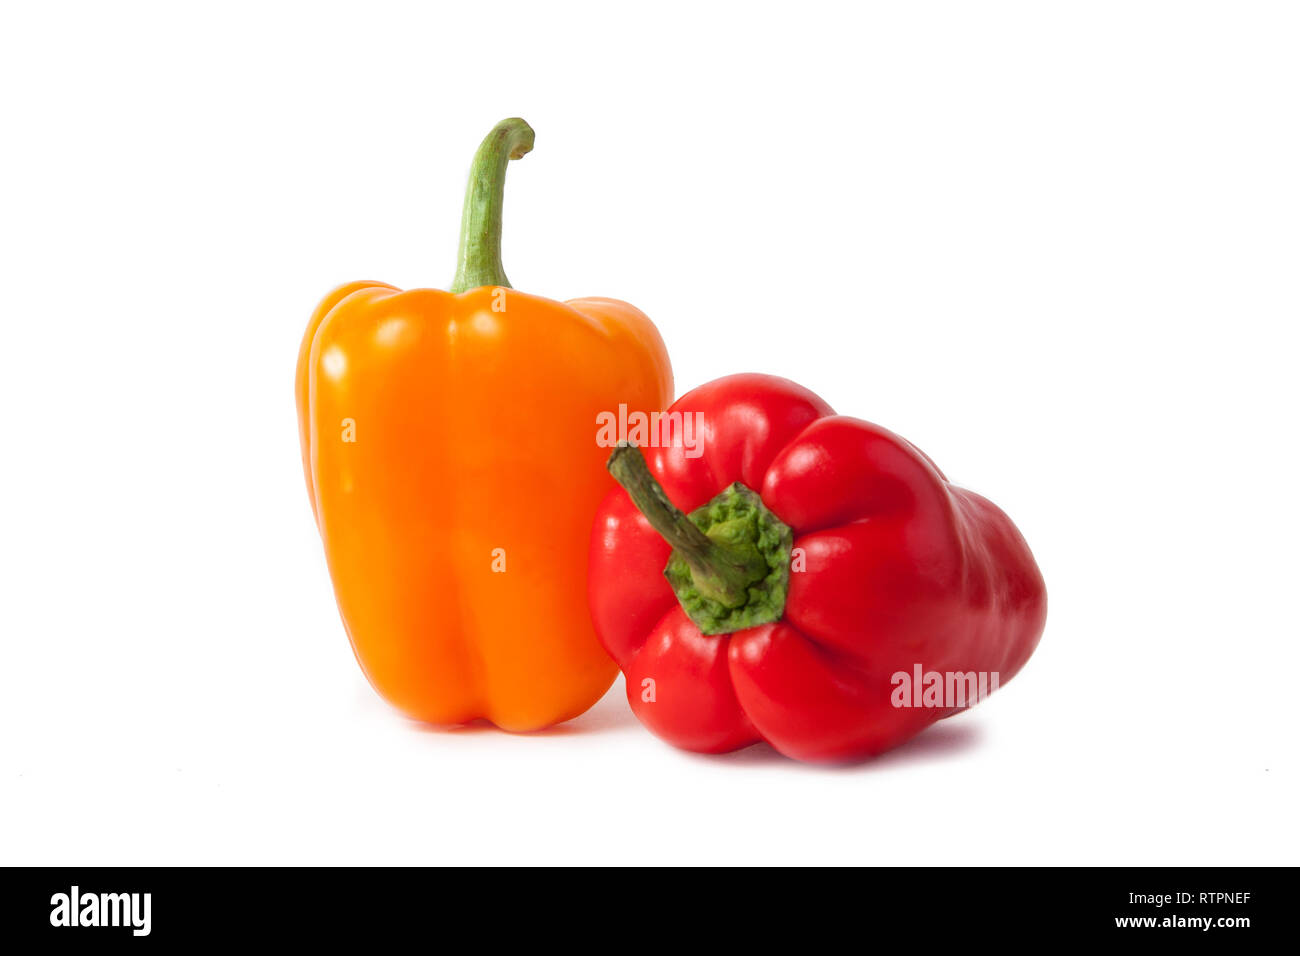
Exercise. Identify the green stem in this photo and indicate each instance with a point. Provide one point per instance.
(718, 572)
(479, 258)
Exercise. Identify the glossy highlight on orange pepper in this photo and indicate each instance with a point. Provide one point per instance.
(449, 445)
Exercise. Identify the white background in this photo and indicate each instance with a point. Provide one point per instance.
(1055, 245)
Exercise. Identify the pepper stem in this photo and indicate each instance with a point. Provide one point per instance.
(721, 573)
(479, 258)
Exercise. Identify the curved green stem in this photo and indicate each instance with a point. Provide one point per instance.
(717, 571)
(479, 258)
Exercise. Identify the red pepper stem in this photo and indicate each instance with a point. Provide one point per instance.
(479, 260)
(720, 573)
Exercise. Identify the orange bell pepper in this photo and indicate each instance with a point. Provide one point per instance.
(449, 441)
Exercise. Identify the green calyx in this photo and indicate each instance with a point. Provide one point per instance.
(730, 565)
(737, 521)
(479, 259)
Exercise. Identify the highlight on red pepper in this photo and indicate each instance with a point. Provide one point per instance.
(803, 578)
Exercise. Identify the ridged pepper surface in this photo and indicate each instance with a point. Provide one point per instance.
(822, 558)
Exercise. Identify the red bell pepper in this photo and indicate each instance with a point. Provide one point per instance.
(826, 573)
